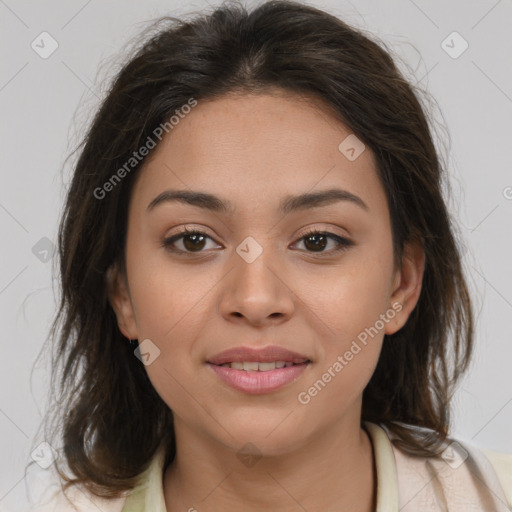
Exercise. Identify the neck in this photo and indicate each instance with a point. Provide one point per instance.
(333, 471)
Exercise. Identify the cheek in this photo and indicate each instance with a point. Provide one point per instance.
(167, 296)
(351, 312)
(172, 306)
(351, 306)
(347, 298)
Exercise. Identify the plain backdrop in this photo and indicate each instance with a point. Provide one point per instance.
(47, 100)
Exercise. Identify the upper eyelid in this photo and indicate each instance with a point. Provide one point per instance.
(310, 230)
(191, 227)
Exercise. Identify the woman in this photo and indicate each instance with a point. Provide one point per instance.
(263, 305)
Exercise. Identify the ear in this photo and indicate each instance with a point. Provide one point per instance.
(406, 287)
(119, 298)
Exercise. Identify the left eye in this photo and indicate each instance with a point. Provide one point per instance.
(319, 239)
(314, 241)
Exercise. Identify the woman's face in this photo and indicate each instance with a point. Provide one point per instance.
(256, 277)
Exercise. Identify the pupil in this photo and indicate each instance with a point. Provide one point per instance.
(316, 245)
(194, 245)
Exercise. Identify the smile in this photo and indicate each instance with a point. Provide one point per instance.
(256, 378)
(254, 366)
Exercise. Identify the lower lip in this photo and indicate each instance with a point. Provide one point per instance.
(256, 382)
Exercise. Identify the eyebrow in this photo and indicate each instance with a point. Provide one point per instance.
(287, 205)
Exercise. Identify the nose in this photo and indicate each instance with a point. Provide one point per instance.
(257, 291)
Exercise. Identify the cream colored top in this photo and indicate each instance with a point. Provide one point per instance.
(462, 480)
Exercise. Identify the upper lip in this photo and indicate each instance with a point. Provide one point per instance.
(264, 355)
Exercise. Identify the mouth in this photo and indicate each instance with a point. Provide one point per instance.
(258, 359)
(260, 366)
(258, 371)
(256, 380)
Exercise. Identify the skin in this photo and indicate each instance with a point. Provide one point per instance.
(254, 150)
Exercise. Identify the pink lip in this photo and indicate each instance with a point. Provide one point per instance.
(257, 382)
(263, 355)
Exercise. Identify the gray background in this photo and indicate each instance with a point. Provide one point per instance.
(45, 104)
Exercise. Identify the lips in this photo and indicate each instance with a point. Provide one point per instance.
(258, 371)
(267, 354)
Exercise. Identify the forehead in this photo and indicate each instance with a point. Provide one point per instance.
(257, 149)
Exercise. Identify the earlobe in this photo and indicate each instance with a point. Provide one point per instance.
(119, 298)
(407, 285)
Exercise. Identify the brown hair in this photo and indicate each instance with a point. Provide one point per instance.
(110, 418)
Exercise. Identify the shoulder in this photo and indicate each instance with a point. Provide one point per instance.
(502, 464)
(42, 491)
(463, 477)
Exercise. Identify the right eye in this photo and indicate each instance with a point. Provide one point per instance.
(193, 241)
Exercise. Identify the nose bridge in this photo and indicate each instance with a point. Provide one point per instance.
(254, 259)
(254, 262)
(255, 289)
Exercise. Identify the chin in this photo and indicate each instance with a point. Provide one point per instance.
(273, 437)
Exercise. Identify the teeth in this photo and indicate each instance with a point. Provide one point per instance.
(254, 366)
(263, 367)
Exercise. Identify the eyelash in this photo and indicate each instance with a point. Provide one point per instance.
(344, 243)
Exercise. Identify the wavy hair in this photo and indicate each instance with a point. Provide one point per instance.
(109, 418)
